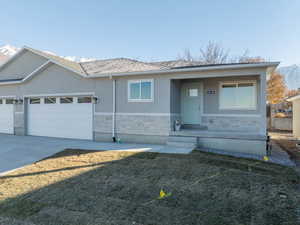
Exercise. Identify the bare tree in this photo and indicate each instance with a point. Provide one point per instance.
(245, 58)
(213, 53)
(187, 56)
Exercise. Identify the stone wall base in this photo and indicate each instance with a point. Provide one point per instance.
(226, 123)
(131, 138)
(256, 147)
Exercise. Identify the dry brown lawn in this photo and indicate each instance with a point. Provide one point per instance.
(87, 187)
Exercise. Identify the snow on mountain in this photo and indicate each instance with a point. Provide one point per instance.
(291, 75)
(7, 51)
(79, 59)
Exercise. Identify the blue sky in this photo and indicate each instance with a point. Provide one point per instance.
(153, 30)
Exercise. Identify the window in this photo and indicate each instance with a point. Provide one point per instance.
(1, 101)
(50, 100)
(238, 95)
(193, 92)
(35, 101)
(140, 90)
(9, 101)
(84, 100)
(66, 100)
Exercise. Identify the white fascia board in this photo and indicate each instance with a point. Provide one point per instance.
(11, 82)
(43, 66)
(193, 69)
(68, 68)
(62, 94)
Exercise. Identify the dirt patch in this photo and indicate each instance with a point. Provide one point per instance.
(88, 187)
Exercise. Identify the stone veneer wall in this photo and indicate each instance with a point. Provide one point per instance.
(226, 123)
(141, 124)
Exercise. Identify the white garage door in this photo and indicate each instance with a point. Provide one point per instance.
(64, 117)
(6, 116)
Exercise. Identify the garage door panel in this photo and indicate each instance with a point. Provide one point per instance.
(73, 120)
(6, 118)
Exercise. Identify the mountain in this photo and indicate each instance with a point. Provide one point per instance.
(291, 75)
(6, 51)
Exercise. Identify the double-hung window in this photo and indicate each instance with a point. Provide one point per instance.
(238, 95)
(140, 90)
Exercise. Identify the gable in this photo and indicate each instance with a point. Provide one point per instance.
(56, 79)
(21, 66)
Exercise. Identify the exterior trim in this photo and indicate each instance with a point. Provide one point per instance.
(36, 71)
(61, 94)
(8, 96)
(232, 115)
(136, 114)
(29, 76)
(52, 60)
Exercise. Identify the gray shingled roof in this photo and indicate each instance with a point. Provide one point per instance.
(124, 65)
(120, 65)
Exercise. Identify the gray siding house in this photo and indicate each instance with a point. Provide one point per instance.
(219, 106)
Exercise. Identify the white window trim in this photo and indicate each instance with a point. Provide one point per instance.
(140, 81)
(254, 82)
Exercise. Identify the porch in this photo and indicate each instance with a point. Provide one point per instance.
(224, 113)
(224, 106)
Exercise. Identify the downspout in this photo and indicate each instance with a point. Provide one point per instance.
(114, 111)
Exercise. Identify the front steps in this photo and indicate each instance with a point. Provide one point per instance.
(182, 142)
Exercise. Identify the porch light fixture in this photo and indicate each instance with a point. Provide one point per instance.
(95, 100)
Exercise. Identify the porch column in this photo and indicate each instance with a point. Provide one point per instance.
(263, 102)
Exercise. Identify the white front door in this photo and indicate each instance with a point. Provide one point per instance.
(191, 94)
(64, 117)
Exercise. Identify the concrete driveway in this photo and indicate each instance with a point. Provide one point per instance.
(18, 151)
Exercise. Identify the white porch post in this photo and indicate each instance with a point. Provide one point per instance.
(263, 102)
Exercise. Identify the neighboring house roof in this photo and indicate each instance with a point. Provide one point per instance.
(293, 98)
(125, 66)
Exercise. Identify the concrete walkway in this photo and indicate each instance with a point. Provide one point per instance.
(18, 151)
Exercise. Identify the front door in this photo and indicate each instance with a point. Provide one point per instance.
(191, 103)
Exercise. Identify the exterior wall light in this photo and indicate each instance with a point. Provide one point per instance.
(95, 99)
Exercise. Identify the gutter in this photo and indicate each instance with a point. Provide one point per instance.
(197, 69)
(114, 111)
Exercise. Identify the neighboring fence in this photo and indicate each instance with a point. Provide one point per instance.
(275, 122)
(285, 123)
